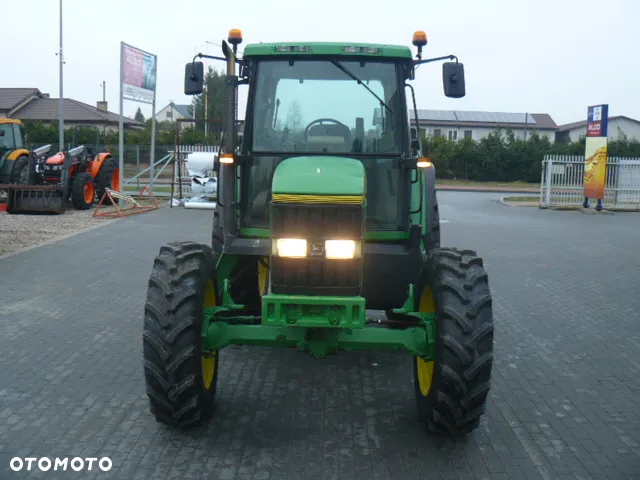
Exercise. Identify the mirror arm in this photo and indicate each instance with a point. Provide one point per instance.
(202, 55)
(428, 60)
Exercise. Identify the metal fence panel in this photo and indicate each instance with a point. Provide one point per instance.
(562, 181)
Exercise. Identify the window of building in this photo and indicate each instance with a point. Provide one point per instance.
(453, 135)
(169, 114)
(437, 132)
(468, 134)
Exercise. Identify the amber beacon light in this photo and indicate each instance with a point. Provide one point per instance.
(235, 36)
(419, 39)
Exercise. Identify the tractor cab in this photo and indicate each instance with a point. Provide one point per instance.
(11, 135)
(11, 147)
(330, 100)
(336, 105)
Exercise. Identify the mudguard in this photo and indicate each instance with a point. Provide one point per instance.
(97, 162)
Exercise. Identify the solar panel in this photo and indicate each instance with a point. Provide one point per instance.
(437, 115)
(475, 116)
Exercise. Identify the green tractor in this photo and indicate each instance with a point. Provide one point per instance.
(327, 210)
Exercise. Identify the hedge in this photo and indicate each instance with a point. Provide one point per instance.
(500, 157)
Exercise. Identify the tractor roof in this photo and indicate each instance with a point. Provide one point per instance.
(14, 121)
(327, 48)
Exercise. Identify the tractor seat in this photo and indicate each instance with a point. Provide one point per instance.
(330, 138)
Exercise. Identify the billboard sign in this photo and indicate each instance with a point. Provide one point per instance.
(139, 74)
(597, 121)
(595, 171)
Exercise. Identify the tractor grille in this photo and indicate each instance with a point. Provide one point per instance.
(316, 275)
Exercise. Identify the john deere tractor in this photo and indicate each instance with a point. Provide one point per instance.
(327, 210)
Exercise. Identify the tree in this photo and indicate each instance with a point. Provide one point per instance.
(294, 117)
(139, 116)
(216, 100)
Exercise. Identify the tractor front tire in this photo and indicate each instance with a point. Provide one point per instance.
(451, 391)
(20, 170)
(108, 177)
(180, 381)
(83, 191)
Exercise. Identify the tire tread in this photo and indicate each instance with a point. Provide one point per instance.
(464, 344)
(172, 334)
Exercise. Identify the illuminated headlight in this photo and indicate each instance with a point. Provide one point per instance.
(340, 249)
(291, 247)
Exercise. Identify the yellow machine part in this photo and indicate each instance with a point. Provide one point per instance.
(17, 153)
(13, 121)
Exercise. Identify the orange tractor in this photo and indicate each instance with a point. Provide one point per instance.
(68, 175)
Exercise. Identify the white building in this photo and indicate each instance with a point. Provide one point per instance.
(173, 112)
(457, 124)
(618, 125)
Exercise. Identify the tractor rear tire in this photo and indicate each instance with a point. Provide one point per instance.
(20, 170)
(180, 381)
(104, 179)
(451, 392)
(83, 191)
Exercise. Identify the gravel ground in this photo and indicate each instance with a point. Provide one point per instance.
(21, 231)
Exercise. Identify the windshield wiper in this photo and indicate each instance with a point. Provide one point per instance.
(344, 69)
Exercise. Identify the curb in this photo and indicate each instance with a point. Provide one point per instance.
(518, 204)
(592, 210)
(455, 188)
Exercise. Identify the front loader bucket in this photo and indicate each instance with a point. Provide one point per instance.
(35, 198)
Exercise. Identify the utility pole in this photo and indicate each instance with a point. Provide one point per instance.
(206, 107)
(61, 120)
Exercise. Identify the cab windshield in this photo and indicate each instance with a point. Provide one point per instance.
(317, 106)
(8, 140)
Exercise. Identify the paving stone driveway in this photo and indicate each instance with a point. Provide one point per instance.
(565, 393)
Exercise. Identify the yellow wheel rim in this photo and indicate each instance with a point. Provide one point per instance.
(209, 363)
(263, 275)
(425, 369)
(425, 375)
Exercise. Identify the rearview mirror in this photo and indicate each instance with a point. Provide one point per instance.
(193, 78)
(453, 79)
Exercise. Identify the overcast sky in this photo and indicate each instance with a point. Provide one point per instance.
(537, 56)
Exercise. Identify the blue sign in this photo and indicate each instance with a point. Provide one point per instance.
(597, 121)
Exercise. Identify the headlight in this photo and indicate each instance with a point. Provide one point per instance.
(291, 247)
(340, 248)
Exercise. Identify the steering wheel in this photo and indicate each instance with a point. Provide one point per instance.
(346, 129)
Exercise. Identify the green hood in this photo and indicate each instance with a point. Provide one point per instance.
(319, 175)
